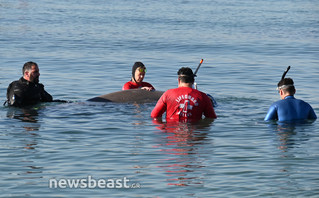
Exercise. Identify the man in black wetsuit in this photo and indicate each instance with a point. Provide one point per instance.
(27, 90)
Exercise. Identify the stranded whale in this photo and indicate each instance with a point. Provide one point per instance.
(129, 96)
(135, 96)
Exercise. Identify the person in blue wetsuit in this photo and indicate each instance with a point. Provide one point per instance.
(289, 108)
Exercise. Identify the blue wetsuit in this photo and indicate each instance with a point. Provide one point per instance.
(290, 109)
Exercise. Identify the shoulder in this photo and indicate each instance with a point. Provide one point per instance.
(200, 93)
(17, 84)
(301, 101)
(284, 103)
(13, 87)
(277, 103)
(293, 101)
(41, 85)
(14, 83)
(127, 85)
(167, 92)
(173, 91)
(170, 93)
(304, 103)
(207, 99)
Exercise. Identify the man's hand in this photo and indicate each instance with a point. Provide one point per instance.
(147, 88)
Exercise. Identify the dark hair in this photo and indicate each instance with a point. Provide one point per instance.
(28, 66)
(186, 75)
(287, 81)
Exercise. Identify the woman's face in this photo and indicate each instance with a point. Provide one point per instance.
(139, 74)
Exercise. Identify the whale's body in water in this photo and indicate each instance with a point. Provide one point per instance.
(135, 96)
(129, 96)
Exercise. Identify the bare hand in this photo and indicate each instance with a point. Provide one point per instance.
(147, 88)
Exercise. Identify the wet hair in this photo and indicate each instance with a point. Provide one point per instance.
(287, 84)
(28, 66)
(186, 75)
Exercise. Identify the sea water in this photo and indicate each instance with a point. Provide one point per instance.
(87, 48)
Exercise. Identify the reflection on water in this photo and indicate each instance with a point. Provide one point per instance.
(290, 135)
(23, 114)
(28, 138)
(181, 145)
(138, 116)
(285, 133)
(28, 116)
(291, 140)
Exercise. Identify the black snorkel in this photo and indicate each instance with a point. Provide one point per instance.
(286, 83)
(284, 74)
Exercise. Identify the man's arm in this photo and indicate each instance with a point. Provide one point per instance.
(312, 114)
(160, 108)
(272, 113)
(15, 94)
(147, 86)
(209, 111)
(45, 96)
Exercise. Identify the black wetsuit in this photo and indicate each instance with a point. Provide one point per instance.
(22, 93)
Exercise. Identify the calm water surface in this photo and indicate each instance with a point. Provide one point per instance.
(85, 49)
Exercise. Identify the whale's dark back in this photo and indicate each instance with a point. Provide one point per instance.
(129, 96)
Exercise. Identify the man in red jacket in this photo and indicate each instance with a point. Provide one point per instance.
(184, 103)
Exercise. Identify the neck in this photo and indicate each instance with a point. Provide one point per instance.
(26, 78)
(185, 85)
(284, 96)
(134, 81)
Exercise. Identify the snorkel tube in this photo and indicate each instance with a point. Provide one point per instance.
(200, 63)
(285, 83)
(284, 74)
(195, 84)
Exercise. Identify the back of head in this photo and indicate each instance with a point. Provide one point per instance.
(287, 84)
(28, 66)
(186, 75)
